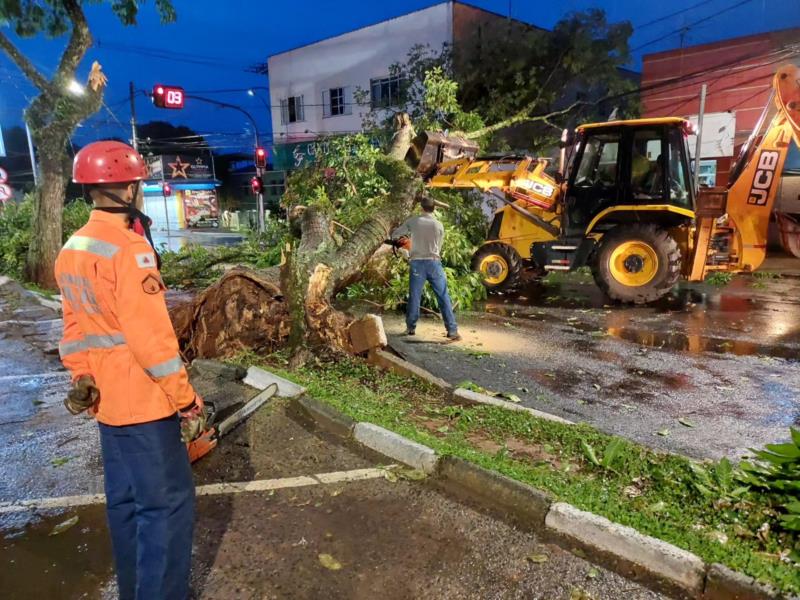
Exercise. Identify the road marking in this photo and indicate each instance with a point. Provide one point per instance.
(211, 489)
(48, 375)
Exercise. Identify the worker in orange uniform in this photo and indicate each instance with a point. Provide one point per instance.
(121, 350)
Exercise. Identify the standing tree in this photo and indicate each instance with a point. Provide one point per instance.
(534, 80)
(60, 107)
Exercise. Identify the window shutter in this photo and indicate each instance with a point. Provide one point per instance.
(284, 112)
(326, 103)
(348, 100)
(301, 110)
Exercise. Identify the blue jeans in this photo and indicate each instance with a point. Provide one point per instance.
(150, 507)
(433, 272)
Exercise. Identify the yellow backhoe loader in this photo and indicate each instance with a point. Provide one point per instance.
(622, 201)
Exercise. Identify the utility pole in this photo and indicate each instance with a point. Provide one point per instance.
(135, 143)
(33, 156)
(703, 91)
(260, 201)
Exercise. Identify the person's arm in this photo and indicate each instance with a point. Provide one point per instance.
(145, 323)
(72, 348)
(403, 230)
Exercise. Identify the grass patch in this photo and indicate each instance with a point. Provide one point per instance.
(658, 494)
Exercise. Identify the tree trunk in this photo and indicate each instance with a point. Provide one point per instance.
(249, 309)
(47, 208)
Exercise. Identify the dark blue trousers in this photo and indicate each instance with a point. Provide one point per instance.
(150, 505)
(432, 272)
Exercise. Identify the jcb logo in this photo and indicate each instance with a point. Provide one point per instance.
(765, 175)
(536, 187)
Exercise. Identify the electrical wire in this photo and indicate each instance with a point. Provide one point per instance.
(674, 14)
(691, 25)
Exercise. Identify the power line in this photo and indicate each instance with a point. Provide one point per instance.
(689, 26)
(674, 14)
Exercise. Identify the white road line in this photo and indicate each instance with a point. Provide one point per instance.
(212, 489)
(49, 375)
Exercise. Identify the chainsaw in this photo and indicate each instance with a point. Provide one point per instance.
(207, 440)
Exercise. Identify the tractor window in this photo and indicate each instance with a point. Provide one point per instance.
(598, 167)
(677, 182)
(647, 165)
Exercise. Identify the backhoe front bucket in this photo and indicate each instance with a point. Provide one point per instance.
(431, 148)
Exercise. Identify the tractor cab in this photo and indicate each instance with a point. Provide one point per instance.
(618, 169)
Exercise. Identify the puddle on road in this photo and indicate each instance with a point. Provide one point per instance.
(74, 564)
(694, 318)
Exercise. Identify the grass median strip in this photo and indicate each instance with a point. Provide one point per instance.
(657, 494)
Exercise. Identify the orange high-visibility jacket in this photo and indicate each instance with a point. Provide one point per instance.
(116, 325)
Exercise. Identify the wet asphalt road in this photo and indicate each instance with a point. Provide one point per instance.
(708, 372)
(394, 540)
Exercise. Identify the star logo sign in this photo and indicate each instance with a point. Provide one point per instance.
(179, 168)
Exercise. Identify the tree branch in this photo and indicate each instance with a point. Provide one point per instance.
(27, 68)
(523, 117)
(79, 41)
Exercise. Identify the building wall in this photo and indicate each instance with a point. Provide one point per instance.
(349, 61)
(738, 73)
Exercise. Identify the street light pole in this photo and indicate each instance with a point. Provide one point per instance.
(260, 198)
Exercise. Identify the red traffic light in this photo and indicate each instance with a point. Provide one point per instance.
(167, 189)
(261, 158)
(256, 185)
(168, 96)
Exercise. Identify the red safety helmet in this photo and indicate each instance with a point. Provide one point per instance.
(108, 162)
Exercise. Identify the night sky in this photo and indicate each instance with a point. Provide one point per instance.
(212, 44)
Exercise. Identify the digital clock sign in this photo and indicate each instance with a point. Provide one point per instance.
(168, 96)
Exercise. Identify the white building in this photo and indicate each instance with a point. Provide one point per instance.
(312, 87)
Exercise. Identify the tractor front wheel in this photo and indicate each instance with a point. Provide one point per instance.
(637, 263)
(499, 265)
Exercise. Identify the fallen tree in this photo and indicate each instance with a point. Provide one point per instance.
(292, 305)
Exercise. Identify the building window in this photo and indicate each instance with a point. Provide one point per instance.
(292, 110)
(708, 173)
(386, 91)
(337, 101)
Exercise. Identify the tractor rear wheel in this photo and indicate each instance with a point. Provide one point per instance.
(637, 263)
(499, 265)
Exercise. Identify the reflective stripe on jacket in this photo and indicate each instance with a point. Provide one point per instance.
(116, 325)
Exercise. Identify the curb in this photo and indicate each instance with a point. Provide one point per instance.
(396, 447)
(533, 509)
(390, 362)
(470, 397)
(723, 583)
(524, 504)
(261, 380)
(321, 416)
(663, 560)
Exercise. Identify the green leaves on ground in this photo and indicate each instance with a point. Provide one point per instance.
(195, 266)
(64, 525)
(778, 475)
(658, 494)
(610, 454)
(327, 561)
(719, 278)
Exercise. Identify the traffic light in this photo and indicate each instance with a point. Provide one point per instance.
(167, 189)
(256, 185)
(261, 158)
(168, 96)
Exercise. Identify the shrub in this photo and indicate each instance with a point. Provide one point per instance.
(16, 226)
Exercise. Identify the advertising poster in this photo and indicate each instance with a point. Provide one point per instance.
(200, 208)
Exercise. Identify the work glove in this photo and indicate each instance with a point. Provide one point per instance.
(83, 395)
(193, 420)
